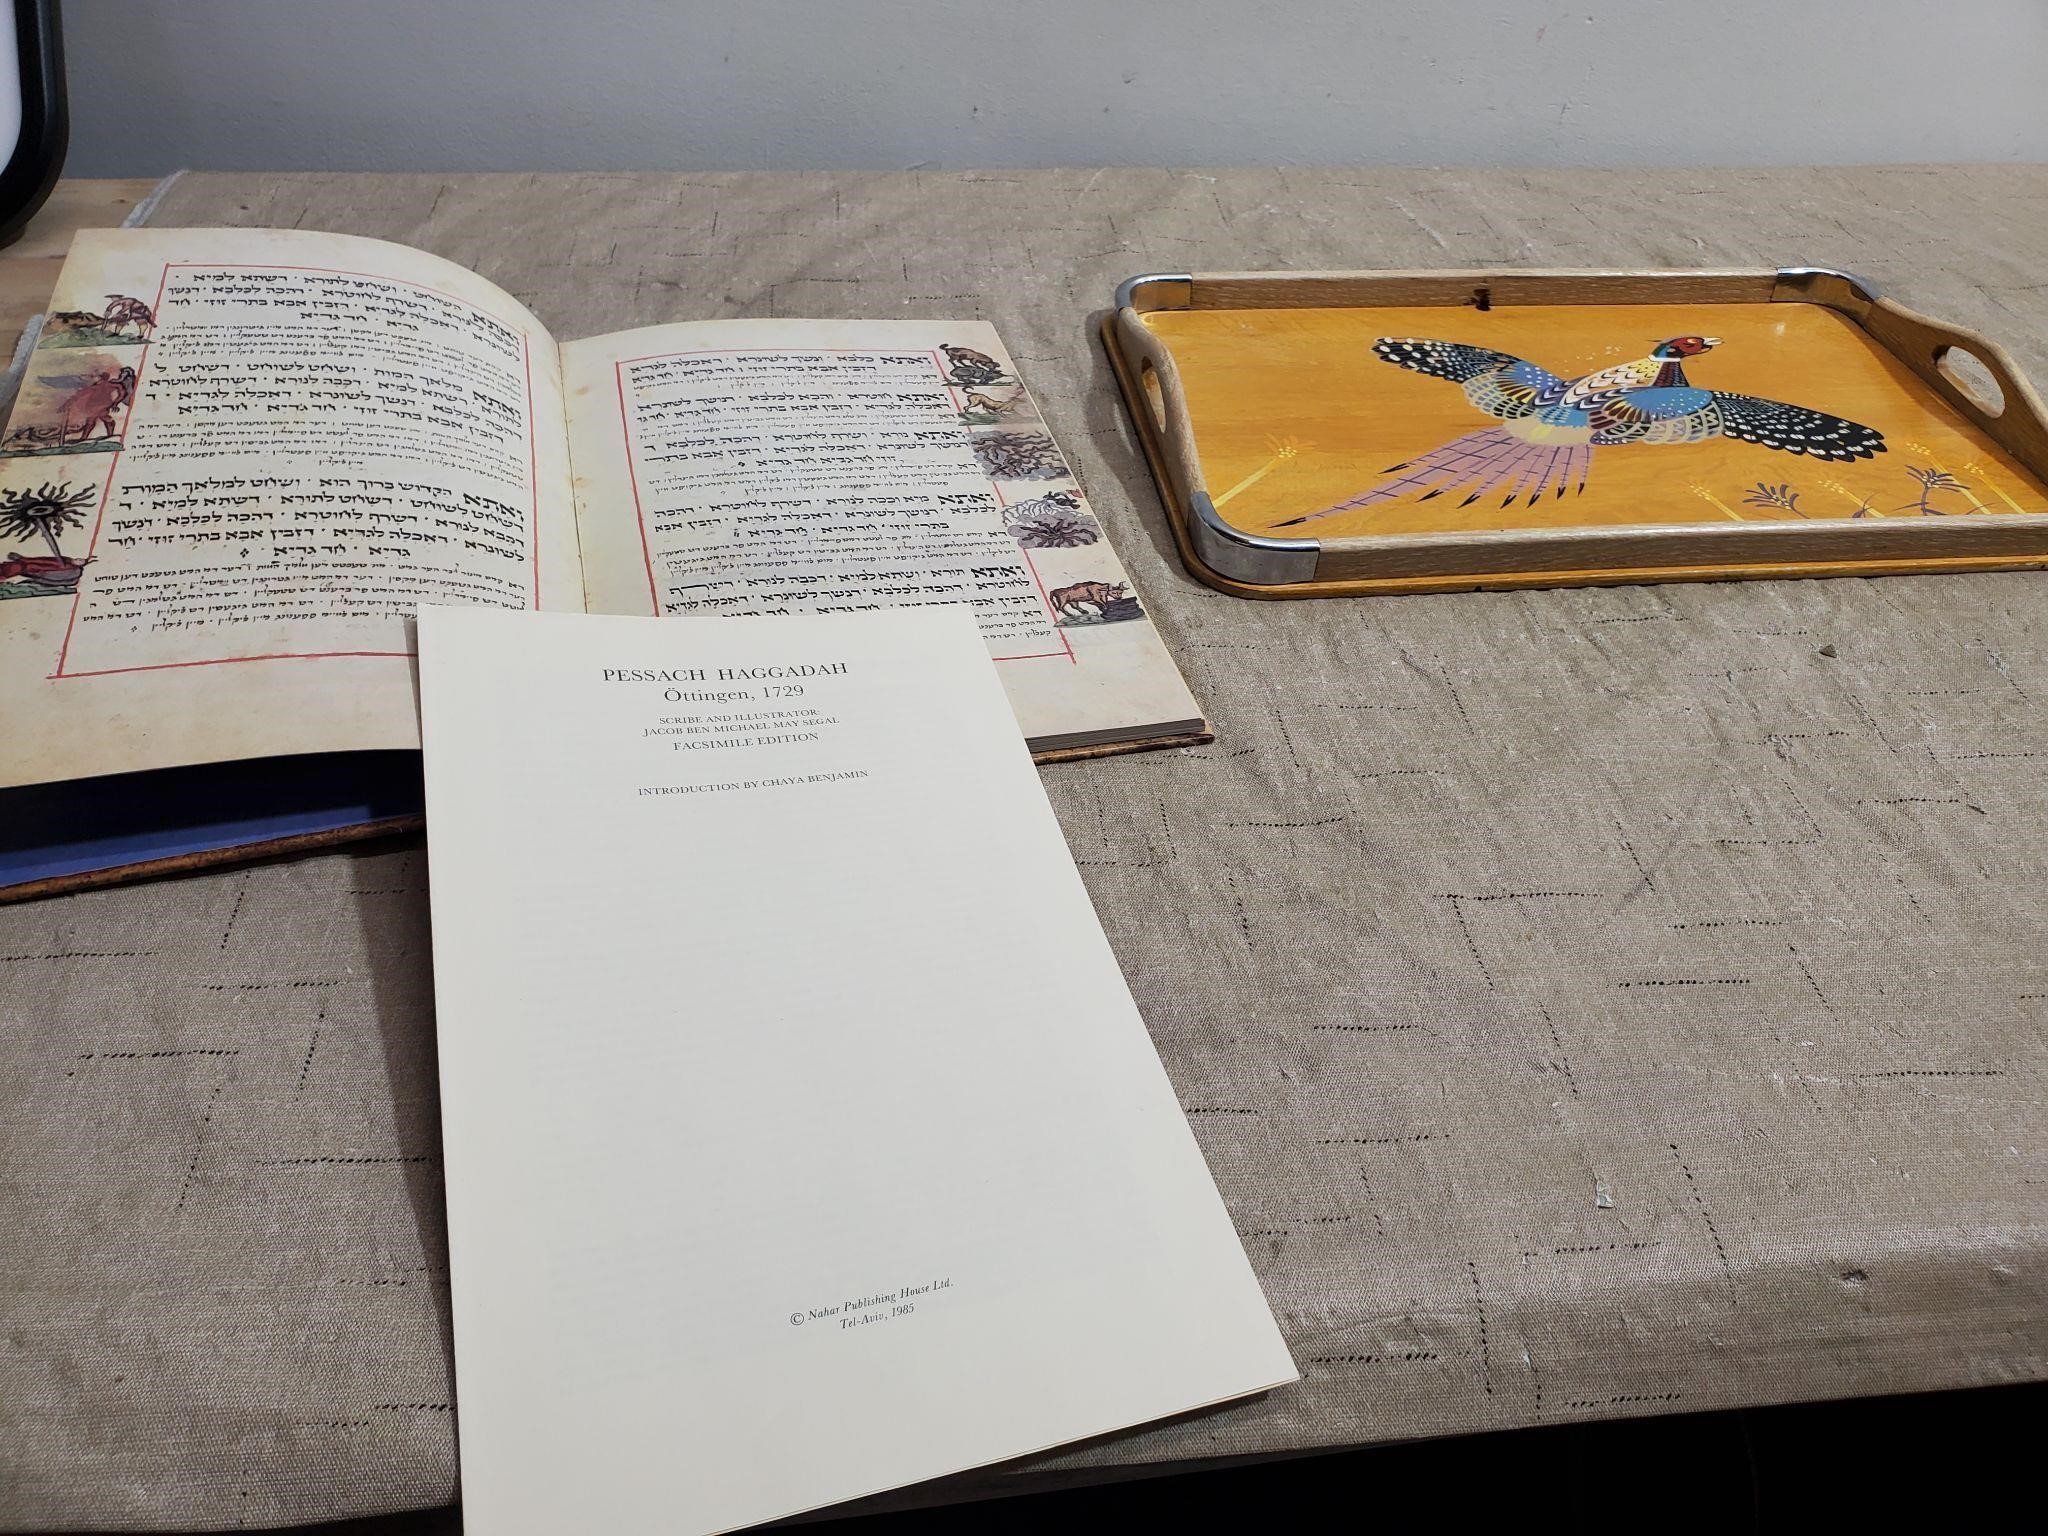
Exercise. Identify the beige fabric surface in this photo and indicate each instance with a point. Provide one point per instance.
(1591, 1002)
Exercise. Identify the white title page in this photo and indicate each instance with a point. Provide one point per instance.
(802, 1137)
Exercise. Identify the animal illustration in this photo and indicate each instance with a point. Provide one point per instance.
(979, 404)
(122, 312)
(1056, 520)
(121, 315)
(95, 403)
(1075, 601)
(41, 575)
(1550, 426)
(967, 366)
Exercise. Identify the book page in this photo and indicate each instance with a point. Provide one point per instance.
(802, 1139)
(812, 466)
(239, 461)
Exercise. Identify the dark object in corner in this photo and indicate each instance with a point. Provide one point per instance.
(82, 833)
(45, 130)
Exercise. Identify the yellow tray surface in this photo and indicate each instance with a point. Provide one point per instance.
(1295, 413)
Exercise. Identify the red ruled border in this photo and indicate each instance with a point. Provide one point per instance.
(619, 367)
(106, 486)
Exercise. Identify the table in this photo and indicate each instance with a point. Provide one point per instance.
(1591, 1002)
(28, 268)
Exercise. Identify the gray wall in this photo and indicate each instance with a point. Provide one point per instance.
(635, 84)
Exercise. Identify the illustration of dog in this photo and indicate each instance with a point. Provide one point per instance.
(979, 404)
(1075, 601)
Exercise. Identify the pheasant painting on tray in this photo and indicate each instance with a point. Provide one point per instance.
(1403, 420)
(1550, 426)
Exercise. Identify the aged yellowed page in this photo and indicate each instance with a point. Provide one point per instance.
(239, 461)
(818, 466)
(802, 1138)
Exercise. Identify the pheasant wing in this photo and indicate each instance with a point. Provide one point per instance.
(1794, 428)
(1499, 383)
(1686, 415)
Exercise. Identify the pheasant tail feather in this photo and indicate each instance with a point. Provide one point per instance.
(1478, 463)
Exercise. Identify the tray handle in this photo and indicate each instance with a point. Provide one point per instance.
(1230, 552)
(2017, 421)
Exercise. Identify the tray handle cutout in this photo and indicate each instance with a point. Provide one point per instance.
(1973, 374)
(1155, 397)
(1968, 372)
(1163, 415)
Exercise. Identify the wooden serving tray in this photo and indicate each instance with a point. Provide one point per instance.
(1327, 434)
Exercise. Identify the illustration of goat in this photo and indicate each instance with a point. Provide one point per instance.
(122, 312)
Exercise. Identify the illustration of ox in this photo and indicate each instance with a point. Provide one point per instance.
(1075, 601)
(95, 403)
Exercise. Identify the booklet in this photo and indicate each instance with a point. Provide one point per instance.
(241, 458)
(802, 1138)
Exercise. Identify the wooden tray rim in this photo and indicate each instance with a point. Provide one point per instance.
(1237, 560)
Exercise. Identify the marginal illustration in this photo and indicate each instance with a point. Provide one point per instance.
(79, 411)
(1552, 425)
(46, 512)
(124, 319)
(1019, 456)
(1056, 520)
(971, 369)
(1094, 602)
(985, 410)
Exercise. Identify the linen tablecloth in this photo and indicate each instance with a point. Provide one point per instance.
(1591, 1002)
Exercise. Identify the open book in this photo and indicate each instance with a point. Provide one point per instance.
(241, 459)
